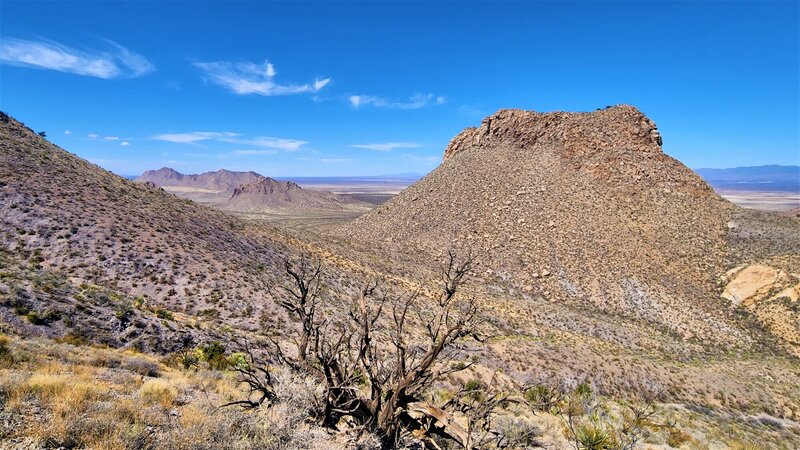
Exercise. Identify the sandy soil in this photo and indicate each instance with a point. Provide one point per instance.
(765, 200)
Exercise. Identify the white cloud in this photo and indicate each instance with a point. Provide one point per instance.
(416, 101)
(255, 152)
(249, 78)
(288, 145)
(92, 136)
(267, 142)
(192, 137)
(67, 132)
(124, 143)
(387, 146)
(111, 138)
(94, 63)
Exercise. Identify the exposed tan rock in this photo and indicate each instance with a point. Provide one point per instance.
(750, 282)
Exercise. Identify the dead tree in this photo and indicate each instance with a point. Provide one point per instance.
(367, 355)
(477, 403)
(301, 299)
(259, 381)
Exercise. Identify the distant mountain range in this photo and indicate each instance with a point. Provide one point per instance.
(755, 178)
(221, 180)
(246, 191)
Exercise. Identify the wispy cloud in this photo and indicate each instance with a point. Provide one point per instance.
(250, 78)
(67, 132)
(125, 143)
(263, 142)
(255, 152)
(288, 145)
(334, 160)
(116, 62)
(416, 101)
(193, 137)
(387, 146)
(95, 136)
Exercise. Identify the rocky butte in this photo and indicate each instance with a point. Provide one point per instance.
(586, 208)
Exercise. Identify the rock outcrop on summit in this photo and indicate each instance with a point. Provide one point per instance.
(583, 208)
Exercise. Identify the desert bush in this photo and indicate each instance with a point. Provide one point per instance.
(744, 445)
(542, 397)
(516, 433)
(34, 318)
(185, 360)
(238, 360)
(592, 436)
(141, 366)
(157, 391)
(6, 358)
(214, 354)
(162, 313)
(676, 437)
(74, 338)
(590, 425)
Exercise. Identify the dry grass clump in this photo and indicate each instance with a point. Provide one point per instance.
(57, 395)
(158, 391)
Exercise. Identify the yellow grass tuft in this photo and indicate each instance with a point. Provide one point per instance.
(159, 391)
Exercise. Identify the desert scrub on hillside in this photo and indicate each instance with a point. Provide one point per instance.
(56, 395)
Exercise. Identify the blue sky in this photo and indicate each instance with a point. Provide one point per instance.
(308, 89)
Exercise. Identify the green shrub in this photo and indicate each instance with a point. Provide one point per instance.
(162, 313)
(583, 390)
(474, 390)
(34, 318)
(214, 354)
(238, 360)
(592, 437)
(6, 359)
(541, 397)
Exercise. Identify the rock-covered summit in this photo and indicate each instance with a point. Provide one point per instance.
(574, 207)
(618, 144)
